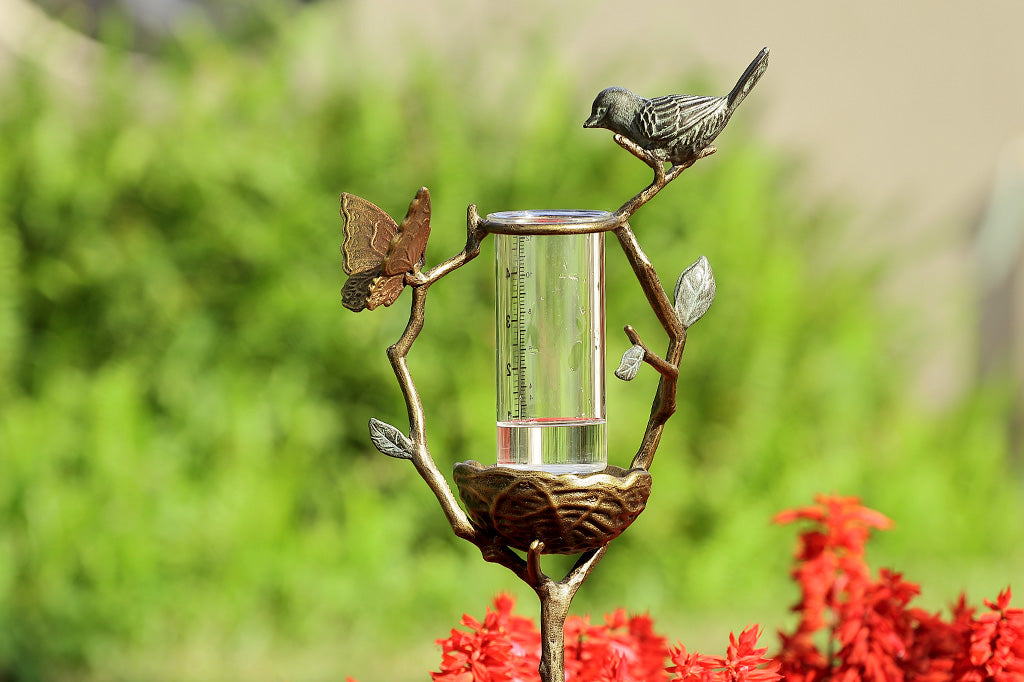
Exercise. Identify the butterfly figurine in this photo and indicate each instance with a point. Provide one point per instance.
(377, 253)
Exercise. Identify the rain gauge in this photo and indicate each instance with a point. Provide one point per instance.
(550, 332)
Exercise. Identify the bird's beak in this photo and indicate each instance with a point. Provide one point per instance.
(592, 121)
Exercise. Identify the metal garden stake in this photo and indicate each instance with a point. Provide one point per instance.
(552, 491)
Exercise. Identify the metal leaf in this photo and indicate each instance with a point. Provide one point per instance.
(630, 365)
(694, 292)
(389, 440)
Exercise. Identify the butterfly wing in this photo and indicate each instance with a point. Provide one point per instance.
(385, 290)
(369, 289)
(356, 292)
(368, 234)
(408, 247)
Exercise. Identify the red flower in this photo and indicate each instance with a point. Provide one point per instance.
(843, 516)
(871, 631)
(742, 662)
(874, 630)
(800, 660)
(626, 647)
(996, 644)
(852, 628)
(504, 648)
(833, 575)
(934, 647)
(691, 667)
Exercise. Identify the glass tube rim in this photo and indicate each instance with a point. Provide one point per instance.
(550, 221)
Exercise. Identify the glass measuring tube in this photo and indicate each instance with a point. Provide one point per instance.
(550, 331)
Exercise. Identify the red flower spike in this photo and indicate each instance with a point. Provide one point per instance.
(745, 663)
(843, 520)
(873, 634)
(623, 646)
(691, 667)
(504, 648)
(996, 644)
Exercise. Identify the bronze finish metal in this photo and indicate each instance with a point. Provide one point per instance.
(568, 513)
(377, 252)
(530, 510)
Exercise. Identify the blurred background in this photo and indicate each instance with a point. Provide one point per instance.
(187, 487)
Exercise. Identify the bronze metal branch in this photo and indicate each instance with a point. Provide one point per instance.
(661, 177)
(664, 368)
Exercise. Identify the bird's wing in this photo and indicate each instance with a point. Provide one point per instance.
(665, 119)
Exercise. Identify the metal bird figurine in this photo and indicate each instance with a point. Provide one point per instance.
(675, 128)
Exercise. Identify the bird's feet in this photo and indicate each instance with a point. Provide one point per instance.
(678, 168)
(707, 151)
(639, 152)
(661, 176)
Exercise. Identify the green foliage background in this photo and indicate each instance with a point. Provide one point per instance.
(187, 489)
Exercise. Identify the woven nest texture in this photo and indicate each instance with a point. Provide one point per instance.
(569, 513)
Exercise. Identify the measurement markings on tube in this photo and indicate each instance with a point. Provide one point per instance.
(517, 364)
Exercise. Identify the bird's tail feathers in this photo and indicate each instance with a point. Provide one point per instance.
(749, 79)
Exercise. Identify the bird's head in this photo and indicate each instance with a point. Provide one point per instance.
(614, 109)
